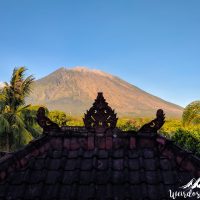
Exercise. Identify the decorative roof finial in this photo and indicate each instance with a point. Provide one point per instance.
(154, 125)
(45, 122)
(100, 117)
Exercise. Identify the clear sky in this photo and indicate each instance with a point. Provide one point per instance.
(153, 44)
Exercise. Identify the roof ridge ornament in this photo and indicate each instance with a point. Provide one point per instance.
(45, 122)
(100, 117)
(154, 125)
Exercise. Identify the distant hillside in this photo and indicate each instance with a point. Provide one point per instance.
(74, 90)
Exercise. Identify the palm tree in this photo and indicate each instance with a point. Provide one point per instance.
(13, 126)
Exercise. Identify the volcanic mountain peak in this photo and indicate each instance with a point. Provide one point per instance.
(73, 90)
(80, 69)
(84, 69)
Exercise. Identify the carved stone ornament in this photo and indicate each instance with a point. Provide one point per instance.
(100, 117)
(45, 122)
(154, 125)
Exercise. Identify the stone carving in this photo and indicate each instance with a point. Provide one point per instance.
(45, 122)
(100, 117)
(154, 125)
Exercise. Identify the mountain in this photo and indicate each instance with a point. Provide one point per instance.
(74, 90)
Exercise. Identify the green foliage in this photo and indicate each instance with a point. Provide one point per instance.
(58, 117)
(30, 117)
(188, 139)
(191, 114)
(62, 119)
(127, 124)
(186, 133)
(13, 126)
(170, 127)
(75, 122)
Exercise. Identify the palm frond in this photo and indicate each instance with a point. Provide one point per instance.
(17, 121)
(28, 115)
(4, 124)
(21, 108)
(22, 138)
(26, 137)
(18, 75)
(26, 86)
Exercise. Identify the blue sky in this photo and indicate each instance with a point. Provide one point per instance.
(154, 45)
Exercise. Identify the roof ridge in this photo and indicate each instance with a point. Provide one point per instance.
(15, 160)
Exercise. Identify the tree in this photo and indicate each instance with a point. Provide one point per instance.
(32, 126)
(14, 114)
(191, 114)
(59, 117)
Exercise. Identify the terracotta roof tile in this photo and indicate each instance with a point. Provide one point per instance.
(82, 170)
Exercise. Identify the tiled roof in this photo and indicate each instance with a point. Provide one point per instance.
(97, 161)
(2, 153)
(71, 165)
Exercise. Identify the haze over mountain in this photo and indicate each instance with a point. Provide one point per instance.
(74, 90)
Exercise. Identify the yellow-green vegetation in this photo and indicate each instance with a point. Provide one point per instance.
(62, 119)
(187, 133)
(191, 114)
(188, 138)
(127, 124)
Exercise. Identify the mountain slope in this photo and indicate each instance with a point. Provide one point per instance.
(74, 90)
